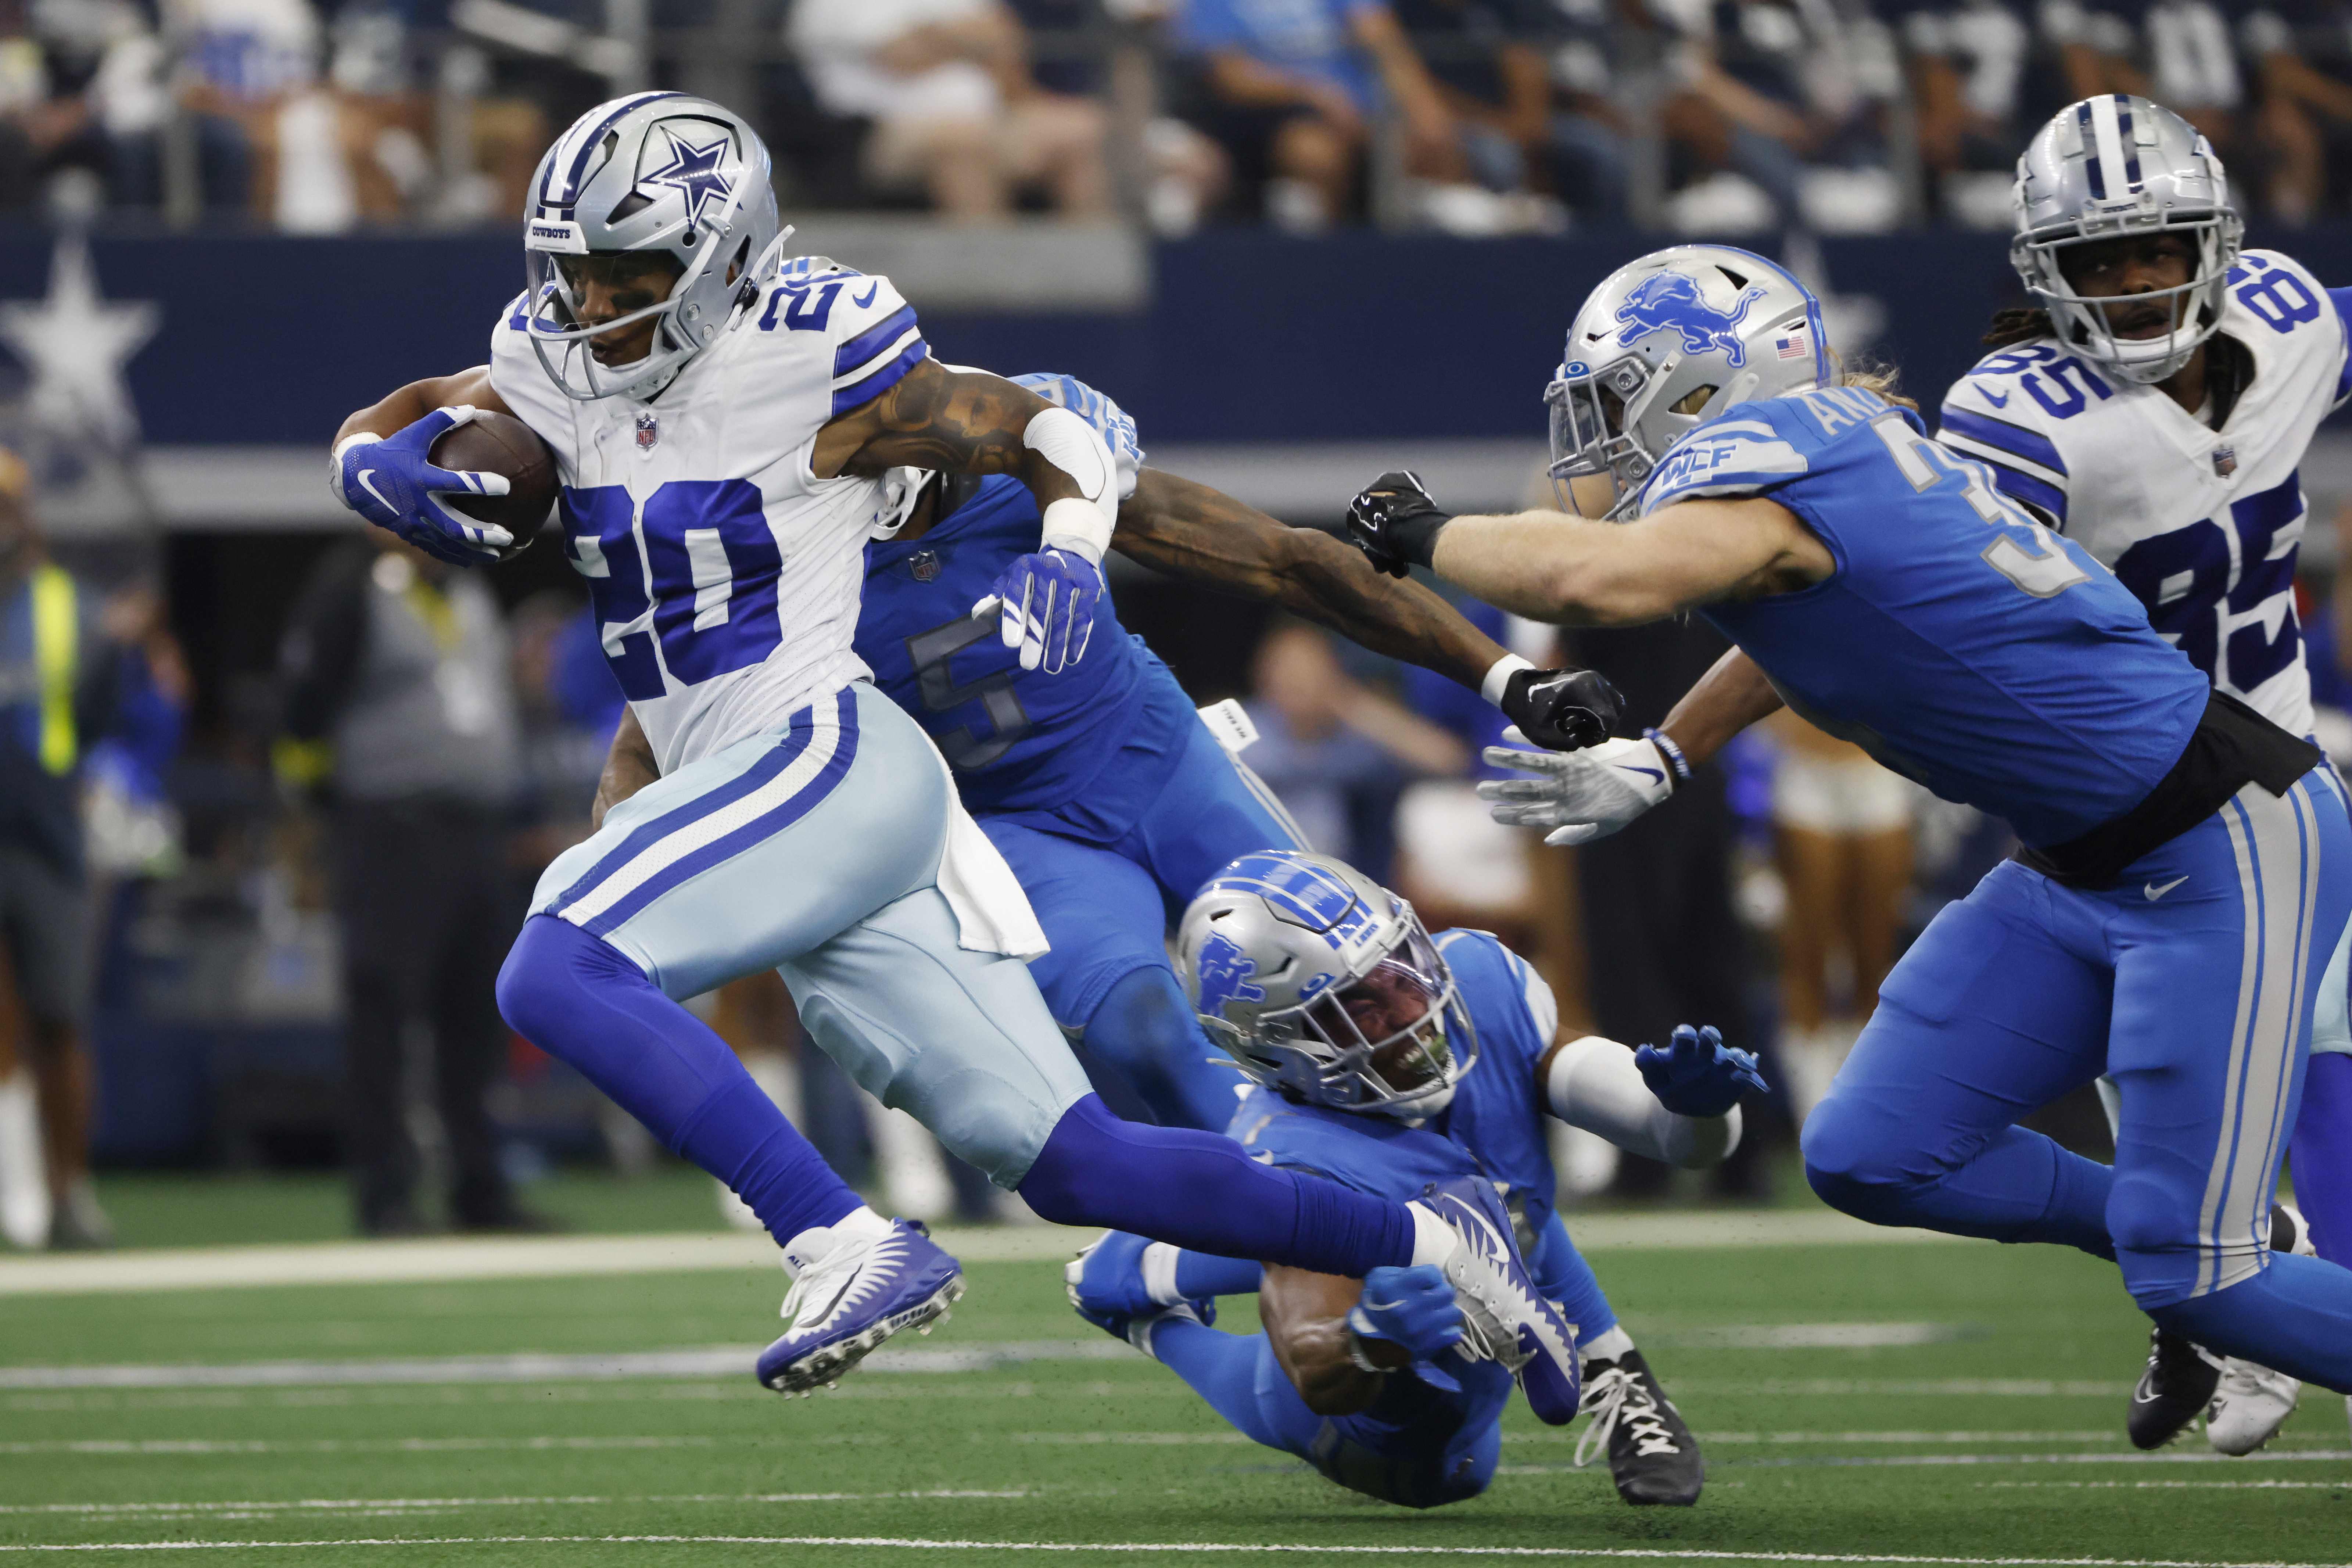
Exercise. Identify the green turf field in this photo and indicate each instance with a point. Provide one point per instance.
(1861, 1403)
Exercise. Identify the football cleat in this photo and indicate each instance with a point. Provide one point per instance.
(2251, 1403)
(851, 1292)
(1652, 1457)
(1504, 1317)
(1107, 1277)
(2178, 1382)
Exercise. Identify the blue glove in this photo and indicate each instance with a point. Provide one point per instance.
(391, 483)
(1698, 1074)
(1046, 604)
(1413, 1308)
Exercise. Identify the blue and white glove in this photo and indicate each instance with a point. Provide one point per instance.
(1579, 795)
(393, 483)
(1698, 1074)
(1045, 605)
(1413, 1308)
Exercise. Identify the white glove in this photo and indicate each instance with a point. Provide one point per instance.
(1582, 796)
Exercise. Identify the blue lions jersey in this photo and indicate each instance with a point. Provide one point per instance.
(1959, 641)
(1018, 739)
(1494, 1127)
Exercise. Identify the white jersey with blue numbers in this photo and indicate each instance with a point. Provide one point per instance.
(723, 572)
(1957, 640)
(2202, 525)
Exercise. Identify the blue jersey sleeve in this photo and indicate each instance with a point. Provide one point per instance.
(1745, 452)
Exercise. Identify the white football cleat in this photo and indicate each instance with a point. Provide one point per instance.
(2251, 1403)
(850, 1292)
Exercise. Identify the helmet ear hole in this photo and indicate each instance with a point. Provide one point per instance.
(629, 206)
(1695, 400)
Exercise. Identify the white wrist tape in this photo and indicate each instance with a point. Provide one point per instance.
(1076, 447)
(1499, 676)
(1078, 526)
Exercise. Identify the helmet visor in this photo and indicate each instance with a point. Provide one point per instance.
(1392, 1030)
(1596, 467)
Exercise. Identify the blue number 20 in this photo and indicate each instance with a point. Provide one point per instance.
(704, 587)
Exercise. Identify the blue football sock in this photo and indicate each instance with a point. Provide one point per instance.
(1147, 1031)
(2322, 1155)
(1229, 1370)
(2294, 1317)
(1200, 1274)
(1579, 1299)
(579, 999)
(1200, 1191)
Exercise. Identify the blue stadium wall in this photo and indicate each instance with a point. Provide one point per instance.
(1249, 337)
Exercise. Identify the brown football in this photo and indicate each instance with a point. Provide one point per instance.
(502, 443)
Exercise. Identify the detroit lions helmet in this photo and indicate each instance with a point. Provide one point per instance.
(1323, 986)
(659, 172)
(2106, 168)
(1666, 343)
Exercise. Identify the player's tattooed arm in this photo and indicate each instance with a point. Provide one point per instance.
(958, 422)
(418, 398)
(1305, 1318)
(1729, 697)
(1201, 535)
(629, 766)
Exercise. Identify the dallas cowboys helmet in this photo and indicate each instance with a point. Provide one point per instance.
(655, 172)
(2110, 167)
(1666, 343)
(1323, 986)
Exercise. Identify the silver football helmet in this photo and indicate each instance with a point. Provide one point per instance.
(1666, 343)
(657, 171)
(1325, 987)
(2106, 168)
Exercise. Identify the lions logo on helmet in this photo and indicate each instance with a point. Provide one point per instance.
(1223, 971)
(1670, 303)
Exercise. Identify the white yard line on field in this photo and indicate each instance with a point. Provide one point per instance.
(541, 1256)
(904, 1543)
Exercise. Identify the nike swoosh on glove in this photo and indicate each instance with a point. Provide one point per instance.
(1579, 795)
(1698, 1074)
(1415, 1307)
(393, 483)
(1046, 603)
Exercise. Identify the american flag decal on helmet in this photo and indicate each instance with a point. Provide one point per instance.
(1795, 343)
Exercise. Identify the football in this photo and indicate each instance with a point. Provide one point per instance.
(502, 443)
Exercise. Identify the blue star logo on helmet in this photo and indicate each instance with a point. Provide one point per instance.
(695, 171)
(1225, 972)
(1671, 302)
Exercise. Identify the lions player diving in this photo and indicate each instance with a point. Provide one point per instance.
(722, 430)
(1386, 1059)
(2155, 405)
(2188, 863)
(1105, 792)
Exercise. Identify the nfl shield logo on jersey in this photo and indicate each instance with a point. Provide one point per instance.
(648, 431)
(2225, 461)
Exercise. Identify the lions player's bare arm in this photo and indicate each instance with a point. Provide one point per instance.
(1551, 567)
(1728, 698)
(1189, 531)
(629, 766)
(959, 422)
(469, 388)
(1305, 1318)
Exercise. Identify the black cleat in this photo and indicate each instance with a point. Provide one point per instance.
(2178, 1384)
(1652, 1457)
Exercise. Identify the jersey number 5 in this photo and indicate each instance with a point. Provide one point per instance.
(930, 651)
(2036, 563)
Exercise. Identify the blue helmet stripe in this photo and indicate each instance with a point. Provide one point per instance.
(2131, 148)
(2092, 167)
(588, 145)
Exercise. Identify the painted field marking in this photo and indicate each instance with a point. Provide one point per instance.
(391, 1505)
(2180, 1485)
(1911, 1388)
(903, 1543)
(1850, 1461)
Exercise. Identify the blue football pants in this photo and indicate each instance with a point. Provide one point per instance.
(2192, 983)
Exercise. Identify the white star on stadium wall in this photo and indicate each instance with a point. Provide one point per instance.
(75, 343)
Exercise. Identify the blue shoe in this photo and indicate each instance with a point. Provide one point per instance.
(849, 1294)
(1106, 1279)
(1504, 1317)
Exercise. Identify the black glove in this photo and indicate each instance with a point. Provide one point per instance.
(1561, 709)
(1395, 521)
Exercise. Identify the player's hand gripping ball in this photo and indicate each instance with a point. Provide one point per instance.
(1578, 796)
(1561, 709)
(462, 484)
(1698, 1074)
(1415, 1307)
(1394, 521)
(1046, 605)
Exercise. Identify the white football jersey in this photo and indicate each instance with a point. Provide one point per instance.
(725, 575)
(2201, 525)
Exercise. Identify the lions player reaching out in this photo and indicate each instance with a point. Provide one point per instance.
(2188, 864)
(721, 429)
(2155, 407)
(1385, 1060)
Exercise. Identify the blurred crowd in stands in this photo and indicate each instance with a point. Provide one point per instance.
(1467, 116)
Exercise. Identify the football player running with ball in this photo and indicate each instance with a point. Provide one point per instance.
(721, 431)
(1386, 1059)
(2154, 406)
(2188, 864)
